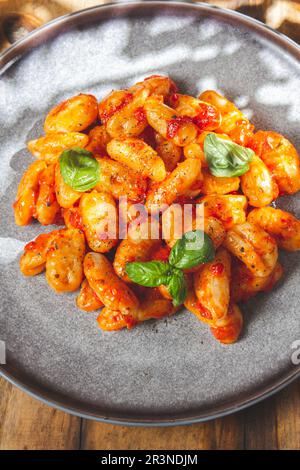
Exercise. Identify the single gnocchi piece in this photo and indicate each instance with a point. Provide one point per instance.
(87, 299)
(177, 183)
(231, 329)
(158, 85)
(168, 151)
(64, 261)
(119, 180)
(282, 225)
(72, 115)
(226, 330)
(230, 209)
(25, 204)
(206, 116)
(212, 286)
(114, 320)
(139, 156)
(129, 251)
(217, 184)
(254, 247)
(112, 103)
(65, 195)
(232, 117)
(258, 184)
(47, 206)
(50, 146)
(33, 260)
(281, 157)
(114, 293)
(98, 139)
(171, 125)
(130, 120)
(99, 220)
(244, 284)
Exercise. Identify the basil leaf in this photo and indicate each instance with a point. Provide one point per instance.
(177, 287)
(79, 169)
(148, 273)
(192, 249)
(226, 158)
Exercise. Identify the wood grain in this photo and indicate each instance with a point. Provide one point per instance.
(25, 423)
(219, 434)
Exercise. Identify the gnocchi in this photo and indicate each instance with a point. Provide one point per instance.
(134, 178)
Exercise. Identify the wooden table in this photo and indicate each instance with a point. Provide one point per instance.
(26, 423)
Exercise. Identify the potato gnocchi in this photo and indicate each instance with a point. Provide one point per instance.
(165, 200)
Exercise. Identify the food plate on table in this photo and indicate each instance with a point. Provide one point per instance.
(171, 138)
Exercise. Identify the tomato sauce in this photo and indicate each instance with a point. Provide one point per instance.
(175, 124)
(208, 117)
(217, 269)
(107, 114)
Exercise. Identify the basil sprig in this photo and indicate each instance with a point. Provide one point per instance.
(193, 249)
(79, 169)
(226, 158)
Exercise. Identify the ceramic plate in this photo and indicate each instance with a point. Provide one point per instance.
(168, 371)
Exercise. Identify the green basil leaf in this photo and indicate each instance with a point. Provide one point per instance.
(79, 169)
(226, 158)
(148, 273)
(177, 287)
(192, 249)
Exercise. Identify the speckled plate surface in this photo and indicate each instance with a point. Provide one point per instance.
(169, 371)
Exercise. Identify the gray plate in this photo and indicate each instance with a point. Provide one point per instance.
(161, 372)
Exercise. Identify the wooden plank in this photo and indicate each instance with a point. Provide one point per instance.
(26, 423)
(288, 417)
(260, 426)
(226, 433)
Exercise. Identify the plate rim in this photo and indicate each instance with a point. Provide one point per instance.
(55, 27)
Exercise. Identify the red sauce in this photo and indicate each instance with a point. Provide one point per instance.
(207, 117)
(227, 221)
(217, 269)
(76, 220)
(162, 254)
(226, 333)
(30, 246)
(130, 321)
(173, 100)
(175, 124)
(107, 114)
(140, 115)
(204, 312)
